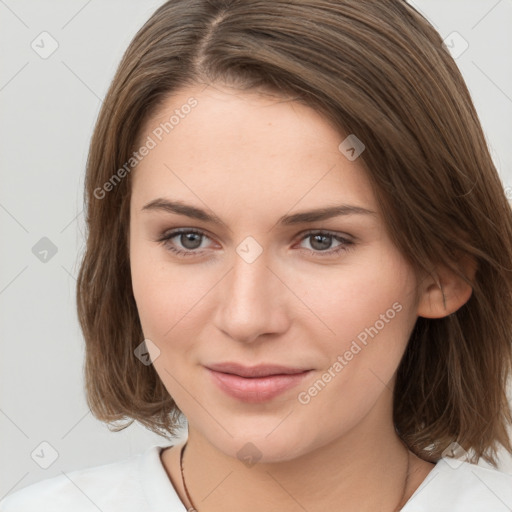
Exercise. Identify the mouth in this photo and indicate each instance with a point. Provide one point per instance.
(255, 383)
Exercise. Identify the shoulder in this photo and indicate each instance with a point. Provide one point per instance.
(454, 485)
(105, 487)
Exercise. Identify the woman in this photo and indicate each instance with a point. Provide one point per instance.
(297, 240)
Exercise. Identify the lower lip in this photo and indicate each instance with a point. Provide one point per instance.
(256, 389)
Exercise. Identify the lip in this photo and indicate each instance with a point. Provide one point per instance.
(255, 383)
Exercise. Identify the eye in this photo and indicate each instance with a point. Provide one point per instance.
(191, 239)
(319, 240)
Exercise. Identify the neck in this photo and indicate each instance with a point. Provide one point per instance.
(360, 470)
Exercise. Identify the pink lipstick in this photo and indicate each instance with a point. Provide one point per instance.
(255, 383)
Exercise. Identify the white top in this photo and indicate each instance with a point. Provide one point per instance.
(140, 483)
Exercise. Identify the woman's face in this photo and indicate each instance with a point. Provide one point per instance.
(256, 286)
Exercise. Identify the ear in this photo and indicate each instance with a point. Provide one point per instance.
(443, 292)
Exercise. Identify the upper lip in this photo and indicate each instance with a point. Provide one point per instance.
(261, 370)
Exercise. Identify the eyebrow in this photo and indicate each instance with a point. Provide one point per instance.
(181, 208)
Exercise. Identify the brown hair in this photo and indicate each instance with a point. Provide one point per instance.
(376, 69)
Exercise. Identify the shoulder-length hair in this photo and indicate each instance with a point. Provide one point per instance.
(378, 70)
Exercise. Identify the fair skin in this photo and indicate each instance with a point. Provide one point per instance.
(249, 160)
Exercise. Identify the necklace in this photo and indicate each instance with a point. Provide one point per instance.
(193, 507)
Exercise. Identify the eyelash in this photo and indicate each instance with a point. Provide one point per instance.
(346, 245)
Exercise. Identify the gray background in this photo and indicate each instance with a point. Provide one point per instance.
(49, 106)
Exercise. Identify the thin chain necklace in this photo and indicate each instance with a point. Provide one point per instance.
(194, 509)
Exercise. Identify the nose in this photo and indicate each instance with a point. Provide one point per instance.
(253, 300)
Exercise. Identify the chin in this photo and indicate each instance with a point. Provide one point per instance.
(256, 443)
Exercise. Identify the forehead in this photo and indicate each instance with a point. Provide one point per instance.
(221, 113)
(246, 146)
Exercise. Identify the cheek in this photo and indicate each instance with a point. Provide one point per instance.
(169, 297)
(155, 295)
(371, 294)
(370, 311)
